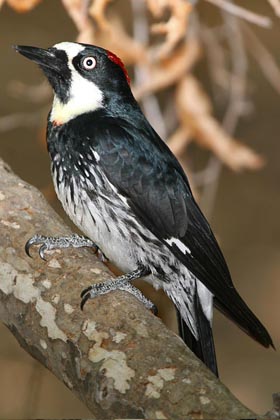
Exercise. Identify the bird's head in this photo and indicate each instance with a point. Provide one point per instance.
(84, 78)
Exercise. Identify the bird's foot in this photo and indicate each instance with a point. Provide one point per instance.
(50, 243)
(120, 283)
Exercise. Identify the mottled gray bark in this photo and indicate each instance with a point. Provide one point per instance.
(115, 356)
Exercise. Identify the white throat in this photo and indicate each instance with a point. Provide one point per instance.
(84, 95)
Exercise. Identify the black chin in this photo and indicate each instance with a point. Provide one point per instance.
(54, 64)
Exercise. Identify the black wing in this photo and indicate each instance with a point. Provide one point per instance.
(143, 169)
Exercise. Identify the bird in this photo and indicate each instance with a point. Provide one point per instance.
(124, 189)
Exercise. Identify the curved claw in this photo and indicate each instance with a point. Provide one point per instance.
(29, 243)
(27, 247)
(42, 250)
(84, 300)
(85, 291)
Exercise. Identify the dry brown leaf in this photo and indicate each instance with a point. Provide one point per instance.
(22, 6)
(157, 7)
(175, 28)
(79, 15)
(118, 41)
(169, 71)
(97, 12)
(76, 12)
(114, 39)
(276, 6)
(86, 36)
(194, 110)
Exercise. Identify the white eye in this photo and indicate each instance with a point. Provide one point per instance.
(89, 63)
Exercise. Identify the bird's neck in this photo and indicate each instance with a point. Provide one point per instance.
(77, 103)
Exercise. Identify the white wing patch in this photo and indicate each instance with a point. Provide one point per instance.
(206, 300)
(175, 241)
(84, 95)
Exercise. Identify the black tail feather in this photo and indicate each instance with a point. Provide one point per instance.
(203, 348)
(241, 315)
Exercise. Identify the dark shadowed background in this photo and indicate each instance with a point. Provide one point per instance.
(245, 219)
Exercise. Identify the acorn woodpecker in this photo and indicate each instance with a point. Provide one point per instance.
(125, 190)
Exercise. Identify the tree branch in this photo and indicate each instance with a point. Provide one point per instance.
(115, 356)
(242, 13)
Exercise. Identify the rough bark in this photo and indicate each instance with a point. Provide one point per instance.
(115, 356)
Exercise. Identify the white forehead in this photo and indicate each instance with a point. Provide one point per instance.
(71, 48)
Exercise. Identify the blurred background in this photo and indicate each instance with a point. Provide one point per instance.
(206, 74)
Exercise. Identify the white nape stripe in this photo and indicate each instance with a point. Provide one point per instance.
(84, 95)
(183, 248)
